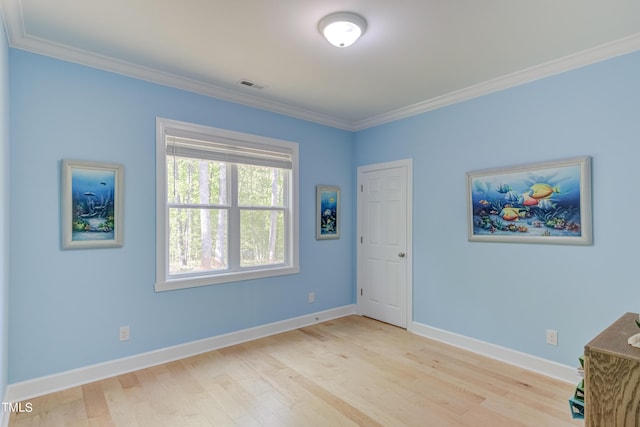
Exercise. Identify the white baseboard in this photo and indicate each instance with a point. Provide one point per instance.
(39, 386)
(532, 363)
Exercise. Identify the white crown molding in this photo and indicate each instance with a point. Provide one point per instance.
(587, 57)
(12, 15)
(66, 53)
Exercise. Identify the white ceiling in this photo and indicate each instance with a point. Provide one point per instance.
(416, 55)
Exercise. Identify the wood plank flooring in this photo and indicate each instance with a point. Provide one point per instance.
(352, 371)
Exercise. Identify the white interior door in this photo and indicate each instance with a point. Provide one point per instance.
(384, 242)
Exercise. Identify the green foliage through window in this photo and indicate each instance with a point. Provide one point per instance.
(199, 214)
(227, 207)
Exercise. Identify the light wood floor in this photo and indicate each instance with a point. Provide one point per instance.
(346, 372)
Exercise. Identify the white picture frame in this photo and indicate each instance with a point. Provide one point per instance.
(91, 205)
(327, 212)
(546, 202)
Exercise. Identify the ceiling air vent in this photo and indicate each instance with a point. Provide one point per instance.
(251, 84)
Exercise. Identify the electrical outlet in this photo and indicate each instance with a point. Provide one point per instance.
(124, 333)
(552, 337)
(312, 297)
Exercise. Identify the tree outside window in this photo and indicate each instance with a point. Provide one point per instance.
(225, 220)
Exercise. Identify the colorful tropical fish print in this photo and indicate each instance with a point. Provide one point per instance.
(512, 214)
(503, 188)
(542, 191)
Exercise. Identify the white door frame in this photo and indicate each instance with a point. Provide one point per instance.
(408, 164)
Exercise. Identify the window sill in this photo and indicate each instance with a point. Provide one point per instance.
(218, 279)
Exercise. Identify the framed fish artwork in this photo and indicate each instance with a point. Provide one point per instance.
(546, 202)
(327, 212)
(91, 205)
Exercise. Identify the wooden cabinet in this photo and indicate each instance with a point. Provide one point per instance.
(612, 376)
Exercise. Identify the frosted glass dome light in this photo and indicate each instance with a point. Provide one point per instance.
(342, 29)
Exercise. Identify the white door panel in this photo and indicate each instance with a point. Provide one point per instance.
(383, 255)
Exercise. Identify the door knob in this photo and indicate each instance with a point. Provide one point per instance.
(401, 254)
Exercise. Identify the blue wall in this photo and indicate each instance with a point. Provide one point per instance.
(67, 305)
(509, 294)
(4, 209)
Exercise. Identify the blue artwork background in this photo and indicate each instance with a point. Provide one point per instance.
(92, 201)
(328, 213)
(535, 202)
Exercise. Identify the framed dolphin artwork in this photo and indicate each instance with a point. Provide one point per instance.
(91, 205)
(327, 212)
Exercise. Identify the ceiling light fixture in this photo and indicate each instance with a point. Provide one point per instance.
(342, 29)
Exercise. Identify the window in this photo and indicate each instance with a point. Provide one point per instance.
(226, 206)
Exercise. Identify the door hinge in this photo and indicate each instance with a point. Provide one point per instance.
(361, 239)
(361, 188)
(361, 293)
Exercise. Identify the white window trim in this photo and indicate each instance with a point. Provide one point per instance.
(163, 281)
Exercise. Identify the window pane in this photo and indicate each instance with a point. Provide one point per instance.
(227, 208)
(197, 240)
(260, 186)
(261, 237)
(194, 181)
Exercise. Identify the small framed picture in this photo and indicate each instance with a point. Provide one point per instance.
(92, 205)
(327, 212)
